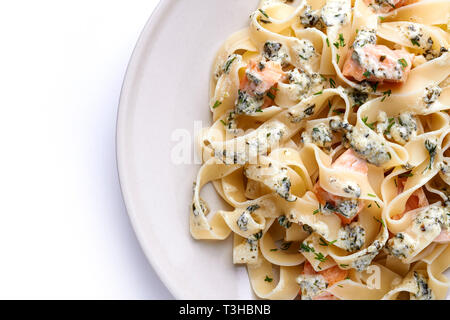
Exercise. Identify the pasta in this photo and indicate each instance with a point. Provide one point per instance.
(331, 143)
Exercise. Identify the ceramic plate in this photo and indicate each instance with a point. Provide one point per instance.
(165, 94)
(164, 97)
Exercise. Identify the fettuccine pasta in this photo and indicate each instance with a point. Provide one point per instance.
(330, 142)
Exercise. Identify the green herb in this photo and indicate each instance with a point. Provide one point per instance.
(382, 18)
(366, 74)
(329, 104)
(380, 221)
(406, 175)
(370, 125)
(328, 43)
(223, 122)
(338, 111)
(371, 195)
(306, 248)
(265, 21)
(258, 110)
(415, 42)
(431, 148)
(268, 279)
(377, 204)
(386, 94)
(303, 57)
(319, 256)
(391, 123)
(340, 286)
(369, 206)
(337, 58)
(270, 95)
(324, 243)
(216, 104)
(332, 83)
(317, 93)
(341, 40)
(264, 13)
(403, 62)
(274, 249)
(226, 68)
(374, 86)
(317, 210)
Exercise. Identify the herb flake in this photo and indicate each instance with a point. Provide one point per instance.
(380, 221)
(332, 83)
(216, 104)
(403, 62)
(386, 93)
(263, 13)
(370, 125)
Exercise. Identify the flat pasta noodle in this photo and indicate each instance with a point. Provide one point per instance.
(331, 142)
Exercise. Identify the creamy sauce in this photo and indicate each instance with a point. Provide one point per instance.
(321, 135)
(336, 12)
(423, 290)
(311, 285)
(352, 237)
(366, 143)
(400, 129)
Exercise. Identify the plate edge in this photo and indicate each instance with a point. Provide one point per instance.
(128, 82)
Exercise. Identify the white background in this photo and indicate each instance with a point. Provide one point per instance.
(64, 231)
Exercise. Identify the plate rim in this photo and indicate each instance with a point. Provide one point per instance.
(130, 76)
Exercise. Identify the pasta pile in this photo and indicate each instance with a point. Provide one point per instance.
(330, 141)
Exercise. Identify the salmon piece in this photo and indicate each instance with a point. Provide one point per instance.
(268, 73)
(308, 269)
(443, 237)
(260, 78)
(349, 160)
(346, 161)
(331, 276)
(385, 8)
(417, 199)
(323, 196)
(325, 296)
(334, 274)
(268, 101)
(393, 65)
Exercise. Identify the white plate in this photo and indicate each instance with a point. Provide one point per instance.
(166, 88)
